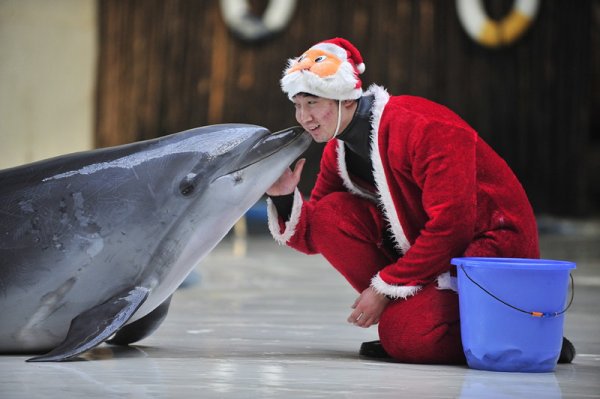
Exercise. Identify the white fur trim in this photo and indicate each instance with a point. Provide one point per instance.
(282, 237)
(394, 291)
(444, 282)
(387, 203)
(447, 282)
(343, 172)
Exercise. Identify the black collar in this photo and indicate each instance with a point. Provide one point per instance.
(357, 135)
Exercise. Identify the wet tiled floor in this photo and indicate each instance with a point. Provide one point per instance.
(267, 322)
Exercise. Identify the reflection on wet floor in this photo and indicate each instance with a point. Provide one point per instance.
(270, 322)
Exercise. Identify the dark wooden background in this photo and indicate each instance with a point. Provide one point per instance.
(169, 65)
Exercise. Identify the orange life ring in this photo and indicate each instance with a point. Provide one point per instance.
(491, 33)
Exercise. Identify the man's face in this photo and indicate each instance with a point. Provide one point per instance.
(317, 115)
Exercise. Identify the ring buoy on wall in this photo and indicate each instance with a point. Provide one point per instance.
(250, 27)
(491, 33)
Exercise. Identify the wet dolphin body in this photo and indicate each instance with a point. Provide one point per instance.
(95, 243)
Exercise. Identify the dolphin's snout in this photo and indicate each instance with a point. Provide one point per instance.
(293, 131)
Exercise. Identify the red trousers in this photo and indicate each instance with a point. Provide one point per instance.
(424, 328)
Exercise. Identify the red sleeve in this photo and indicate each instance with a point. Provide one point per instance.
(294, 232)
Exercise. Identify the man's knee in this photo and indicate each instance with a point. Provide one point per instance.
(346, 213)
(424, 328)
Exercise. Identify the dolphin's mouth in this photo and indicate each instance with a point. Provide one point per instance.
(264, 148)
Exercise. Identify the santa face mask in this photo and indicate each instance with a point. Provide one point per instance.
(319, 62)
(328, 69)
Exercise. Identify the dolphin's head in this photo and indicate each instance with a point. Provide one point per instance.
(234, 166)
(239, 159)
(229, 153)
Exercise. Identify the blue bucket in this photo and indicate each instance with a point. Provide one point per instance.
(512, 312)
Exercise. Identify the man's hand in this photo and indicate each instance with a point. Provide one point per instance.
(368, 308)
(288, 181)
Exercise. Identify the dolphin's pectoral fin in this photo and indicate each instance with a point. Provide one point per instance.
(143, 327)
(94, 326)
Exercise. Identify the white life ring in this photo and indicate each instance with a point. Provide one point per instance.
(250, 27)
(491, 33)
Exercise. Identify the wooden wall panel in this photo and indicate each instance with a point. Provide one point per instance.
(166, 66)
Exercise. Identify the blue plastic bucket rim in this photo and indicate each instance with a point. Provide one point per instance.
(529, 312)
(513, 263)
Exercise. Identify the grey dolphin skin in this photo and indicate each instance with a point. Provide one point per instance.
(94, 244)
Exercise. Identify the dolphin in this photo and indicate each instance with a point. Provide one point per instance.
(94, 244)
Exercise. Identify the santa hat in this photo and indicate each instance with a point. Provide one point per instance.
(328, 69)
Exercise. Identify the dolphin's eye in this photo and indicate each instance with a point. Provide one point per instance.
(238, 177)
(186, 188)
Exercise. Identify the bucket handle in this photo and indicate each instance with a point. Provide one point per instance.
(534, 314)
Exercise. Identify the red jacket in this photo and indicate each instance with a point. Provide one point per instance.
(442, 190)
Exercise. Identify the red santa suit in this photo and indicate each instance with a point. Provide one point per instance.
(441, 191)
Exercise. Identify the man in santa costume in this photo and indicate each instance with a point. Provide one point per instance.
(404, 186)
